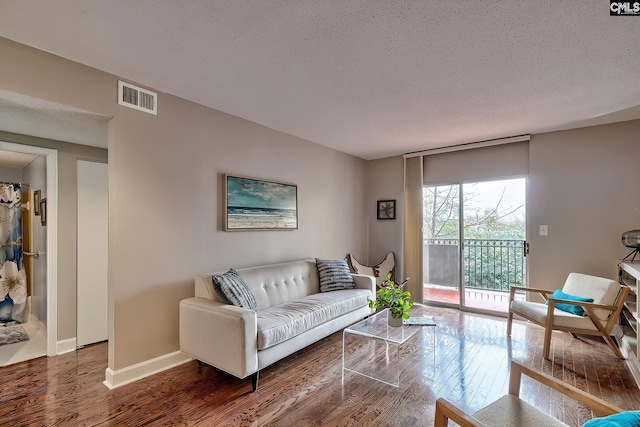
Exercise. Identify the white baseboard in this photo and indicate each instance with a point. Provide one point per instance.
(120, 377)
(66, 346)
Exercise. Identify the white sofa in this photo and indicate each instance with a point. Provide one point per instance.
(292, 313)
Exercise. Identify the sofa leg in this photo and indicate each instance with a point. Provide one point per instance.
(254, 380)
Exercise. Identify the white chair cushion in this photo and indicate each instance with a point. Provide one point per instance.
(603, 291)
(510, 411)
(538, 312)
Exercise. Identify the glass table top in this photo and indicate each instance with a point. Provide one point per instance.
(377, 326)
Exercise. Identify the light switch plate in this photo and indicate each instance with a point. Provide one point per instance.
(544, 230)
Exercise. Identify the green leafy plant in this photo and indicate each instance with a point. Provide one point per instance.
(393, 297)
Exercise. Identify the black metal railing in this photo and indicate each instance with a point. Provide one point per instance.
(491, 264)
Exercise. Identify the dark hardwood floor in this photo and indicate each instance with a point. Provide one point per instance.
(307, 389)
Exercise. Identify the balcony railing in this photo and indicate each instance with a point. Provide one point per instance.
(491, 264)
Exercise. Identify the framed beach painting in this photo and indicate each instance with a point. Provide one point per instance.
(256, 204)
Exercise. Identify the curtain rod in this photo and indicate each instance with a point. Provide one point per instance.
(469, 146)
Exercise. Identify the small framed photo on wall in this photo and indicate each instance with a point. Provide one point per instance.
(386, 209)
(43, 212)
(36, 203)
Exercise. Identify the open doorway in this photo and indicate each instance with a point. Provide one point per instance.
(23, 183)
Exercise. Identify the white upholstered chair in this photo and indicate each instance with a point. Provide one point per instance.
(600, 316)
(511, 411)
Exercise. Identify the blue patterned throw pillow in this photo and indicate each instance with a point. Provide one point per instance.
(232, 289)
(334, 275)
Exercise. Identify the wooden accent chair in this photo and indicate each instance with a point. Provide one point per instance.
(510, 410)
(600, 316)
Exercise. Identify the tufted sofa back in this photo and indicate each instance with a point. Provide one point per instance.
(270, 284)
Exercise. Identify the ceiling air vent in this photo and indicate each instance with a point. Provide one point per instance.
(135, 97)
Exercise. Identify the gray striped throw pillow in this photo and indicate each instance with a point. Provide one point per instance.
(334, 275)
(232, 289)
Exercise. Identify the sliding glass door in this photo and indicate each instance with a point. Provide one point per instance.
(474, 243)
(441, 252)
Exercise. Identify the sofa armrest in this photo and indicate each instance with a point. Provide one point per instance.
(221, 335)
(365, 282)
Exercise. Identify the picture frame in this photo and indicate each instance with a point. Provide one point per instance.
(43, 212)
(36, 202)
(258, 204)
(386, 209)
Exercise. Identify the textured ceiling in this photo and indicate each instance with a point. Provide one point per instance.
(370, 78)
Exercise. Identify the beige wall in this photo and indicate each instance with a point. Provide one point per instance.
(165, 197)
(167, 226)
(386, 180)
(582, 183)
(11, 175)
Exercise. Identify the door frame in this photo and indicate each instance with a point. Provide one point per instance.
(51, 157)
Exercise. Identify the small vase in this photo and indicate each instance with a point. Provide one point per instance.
(392, 320)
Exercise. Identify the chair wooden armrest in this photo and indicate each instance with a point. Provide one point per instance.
(542, 292)
(527, 289)
(582, 303)
(446, 411)
(598, 406)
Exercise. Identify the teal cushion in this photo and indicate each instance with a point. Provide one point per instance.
(575, 309)
(622, 419)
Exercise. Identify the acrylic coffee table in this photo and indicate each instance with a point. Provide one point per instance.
(372, 348)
